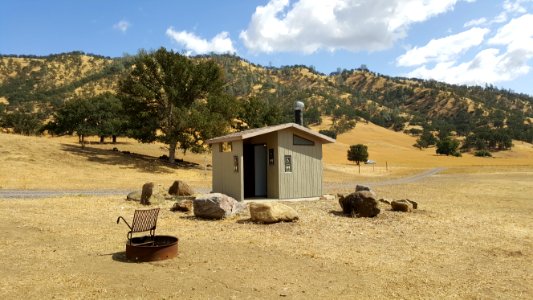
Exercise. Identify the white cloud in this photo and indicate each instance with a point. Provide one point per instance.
(501, 18)
(516, 6)
(444, 49)
(476, 22)
(493, 64)
(516, 35)
(123, 25)
(488, 66)
(221, 43)
(311, 25)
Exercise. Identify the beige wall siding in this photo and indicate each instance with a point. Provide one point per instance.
(271, 141)
(225, 180)
(305, 180)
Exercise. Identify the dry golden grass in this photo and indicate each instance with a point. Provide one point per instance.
(396, 149)
(472, 241)
(60, 163)
(471, 238)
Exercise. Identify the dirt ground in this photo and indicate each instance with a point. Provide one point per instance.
(471, 238)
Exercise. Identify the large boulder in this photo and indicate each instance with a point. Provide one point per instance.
(272, 212)
(359, 204)
(180, 188)
(216, 206)
(403, 205)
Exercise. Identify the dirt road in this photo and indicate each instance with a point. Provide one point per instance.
(335, 187)
(328, 187)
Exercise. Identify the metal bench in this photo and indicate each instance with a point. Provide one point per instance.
(143, 221)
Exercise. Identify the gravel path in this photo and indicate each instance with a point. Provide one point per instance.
(333, 186)
(328, 187)
(15, 193)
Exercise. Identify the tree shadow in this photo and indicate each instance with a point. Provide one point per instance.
(127, 159)
(337, 213)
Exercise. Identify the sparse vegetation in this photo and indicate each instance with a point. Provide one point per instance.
(45, 83)
(482, 153)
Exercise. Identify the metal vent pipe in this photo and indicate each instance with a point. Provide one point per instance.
(298, 113)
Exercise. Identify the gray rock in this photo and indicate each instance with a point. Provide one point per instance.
(382, 200)
(359, 204)
(415, 205)
(272, 212)
(359, 188)
(147, 193)
(185, 205)
(403, 205)
(180, 188)
(134, 196)
(216, 206)
(362, 188)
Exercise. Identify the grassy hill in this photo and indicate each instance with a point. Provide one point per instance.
(32, 162)
(39, 85)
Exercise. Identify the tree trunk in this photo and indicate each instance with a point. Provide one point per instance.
(114, 139)
(172, 152)
(82, 141)
(102, 138)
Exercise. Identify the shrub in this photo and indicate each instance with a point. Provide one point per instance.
(483, 153)
(331, 133)
(448, 146)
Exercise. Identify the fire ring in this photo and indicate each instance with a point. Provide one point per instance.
(147, 248)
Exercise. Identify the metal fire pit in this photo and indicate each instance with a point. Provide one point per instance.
(146, 248)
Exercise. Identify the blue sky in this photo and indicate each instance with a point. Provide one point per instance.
(456, 41)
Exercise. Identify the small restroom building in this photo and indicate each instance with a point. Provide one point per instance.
(275, 162)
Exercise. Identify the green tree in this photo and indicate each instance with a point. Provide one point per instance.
(109, 116)
(448, 146)
(170, 98)
(75, 116)
(23, 118)
(257, 113)
(358, 153)
(425, 140)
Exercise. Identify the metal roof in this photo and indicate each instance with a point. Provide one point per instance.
(246, 134)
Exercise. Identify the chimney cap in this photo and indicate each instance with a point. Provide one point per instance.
(299, 105)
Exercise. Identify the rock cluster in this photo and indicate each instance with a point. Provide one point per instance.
(152, 192)
(272, 212)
